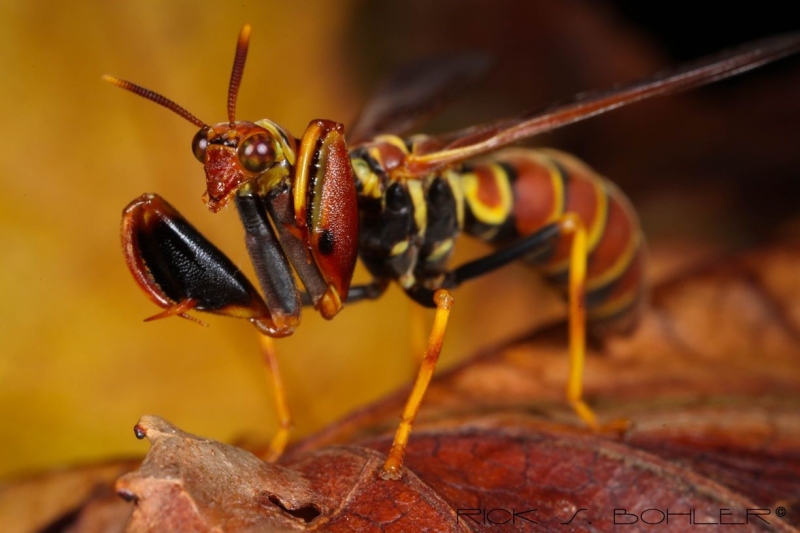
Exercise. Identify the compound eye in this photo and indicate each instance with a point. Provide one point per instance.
(257, 153)
(199, 145)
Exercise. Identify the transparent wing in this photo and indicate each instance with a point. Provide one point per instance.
(410, 96)
(472, 142)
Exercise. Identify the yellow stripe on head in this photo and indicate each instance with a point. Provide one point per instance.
(282, 136)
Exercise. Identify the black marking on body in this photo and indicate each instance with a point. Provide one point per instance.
(312, 183)
(185, 265)
(326, 242)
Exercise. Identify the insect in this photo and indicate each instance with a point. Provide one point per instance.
(311, 206)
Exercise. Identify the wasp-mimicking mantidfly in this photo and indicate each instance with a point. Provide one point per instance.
(311, 206)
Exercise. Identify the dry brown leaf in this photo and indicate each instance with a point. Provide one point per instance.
(187, 483)
(459, 479)
(710, 381)
(78, 499)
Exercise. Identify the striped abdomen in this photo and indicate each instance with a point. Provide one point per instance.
(518, 191)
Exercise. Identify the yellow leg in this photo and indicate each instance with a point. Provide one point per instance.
(571, 224)
(278, 442)
(392, 468)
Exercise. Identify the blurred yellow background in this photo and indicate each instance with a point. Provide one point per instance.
(78, 365)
